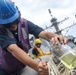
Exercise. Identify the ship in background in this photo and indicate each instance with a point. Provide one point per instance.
(47, 47)
(55, 24)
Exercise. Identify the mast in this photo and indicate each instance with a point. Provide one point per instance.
(55, 23)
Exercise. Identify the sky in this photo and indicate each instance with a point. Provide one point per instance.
(37, 12)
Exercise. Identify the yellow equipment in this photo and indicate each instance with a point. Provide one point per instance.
(47, 53)
(37, 41)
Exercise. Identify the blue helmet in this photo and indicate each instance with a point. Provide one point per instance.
(8, 12)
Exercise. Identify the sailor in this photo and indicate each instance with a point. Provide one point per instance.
(37, 52)
(14, 41)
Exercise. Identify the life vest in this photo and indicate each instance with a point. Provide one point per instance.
(39, 54)
(7, 61)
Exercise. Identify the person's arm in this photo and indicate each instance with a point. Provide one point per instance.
(22, 56)
(39, 32)
(46, 35)
(53, 37)
(18, 53)
(9, 44)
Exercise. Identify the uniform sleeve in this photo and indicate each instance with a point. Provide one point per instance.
(34, 29)
(5, 40)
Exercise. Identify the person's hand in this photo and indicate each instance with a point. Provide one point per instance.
(42, 68)
(58, 38)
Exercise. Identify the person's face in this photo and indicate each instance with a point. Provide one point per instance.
(38, 45)
(12, 27)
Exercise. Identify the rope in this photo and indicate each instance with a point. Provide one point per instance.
(59, 68)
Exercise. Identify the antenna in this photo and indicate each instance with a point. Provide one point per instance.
(50, 12)
(75, 16)
(55, 23)
(66, 28)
